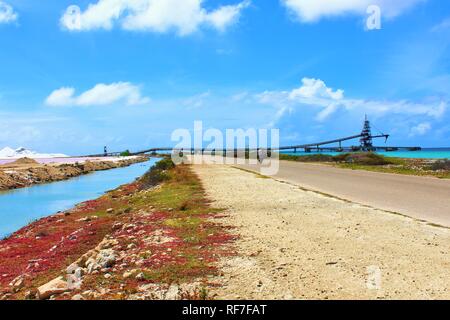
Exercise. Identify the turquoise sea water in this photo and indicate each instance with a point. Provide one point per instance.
(429, 153)
(22, 206)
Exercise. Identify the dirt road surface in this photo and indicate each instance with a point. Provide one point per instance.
(297, 244)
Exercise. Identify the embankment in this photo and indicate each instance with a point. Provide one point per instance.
(155, 238)
(27, 172)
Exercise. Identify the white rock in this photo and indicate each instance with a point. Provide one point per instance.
(72, 268)
(140, 276)
(56, 286)
(106, 258)
(17, 283)
(79, 273)
(173, 292)
(73, 282)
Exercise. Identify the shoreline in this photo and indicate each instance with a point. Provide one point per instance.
(156, 238)
(189, 232)
(21, 175)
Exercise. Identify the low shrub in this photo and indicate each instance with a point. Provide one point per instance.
(363, 158)
(157, 174)
(153, 177)
(164, 164)
(308, 158)
(318, 158)
(441, 165)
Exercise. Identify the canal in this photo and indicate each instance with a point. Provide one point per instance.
(22, 206)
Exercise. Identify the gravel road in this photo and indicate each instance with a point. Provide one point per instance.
(297, 244)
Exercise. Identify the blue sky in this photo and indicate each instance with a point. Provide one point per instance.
(127, 73)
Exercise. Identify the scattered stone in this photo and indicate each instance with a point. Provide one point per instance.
(6, 296)
(77, 297)
(56, 286)
(128, 226)
(110, 210)
(106, 258)
(117, 226)
(107, 276)
(107, 244)
(31, 294)
(72, 268)
(17, 283)
(73, 282)
(140, 276)
(129, 274)
(173, 292)
(79, 273)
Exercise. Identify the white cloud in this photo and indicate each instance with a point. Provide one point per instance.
(181, 16)
(314, 10)
(315, 89)
(101, 94)
(444, 25)
(7, 13)
(326, 112)
(316, 95)
(196, 101)
(420, 129)
(61, 97)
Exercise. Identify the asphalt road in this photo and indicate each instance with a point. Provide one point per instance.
(423, 198)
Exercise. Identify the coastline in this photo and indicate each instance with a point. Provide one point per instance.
(189, 232)
(155, 238)
(17, 175)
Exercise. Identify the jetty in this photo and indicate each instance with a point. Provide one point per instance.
(366, 144)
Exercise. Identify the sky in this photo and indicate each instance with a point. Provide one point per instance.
(76, 75)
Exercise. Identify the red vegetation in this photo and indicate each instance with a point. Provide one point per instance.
(49, 244)
(168, 245)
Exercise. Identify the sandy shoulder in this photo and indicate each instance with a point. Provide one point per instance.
(296, 244)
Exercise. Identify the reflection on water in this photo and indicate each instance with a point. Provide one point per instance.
(20, 207)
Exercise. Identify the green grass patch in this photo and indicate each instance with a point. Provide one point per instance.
(365, 158)
(307, 158)
(178, 273)
(370, 161)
